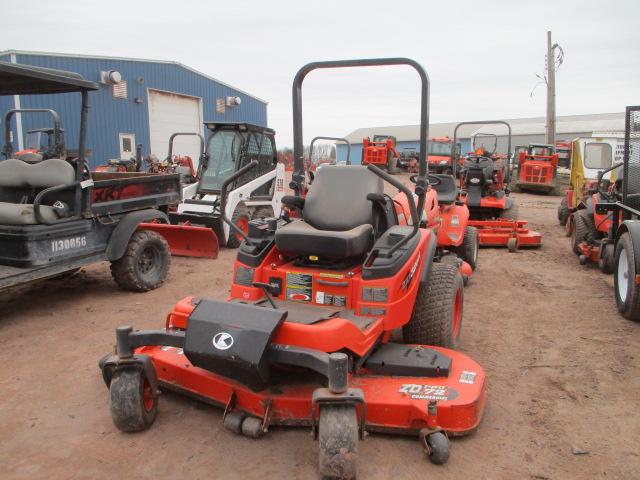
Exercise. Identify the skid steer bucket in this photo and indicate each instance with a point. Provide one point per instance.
(187, 240)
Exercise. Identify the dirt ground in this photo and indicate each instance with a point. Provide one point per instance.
(562, 370)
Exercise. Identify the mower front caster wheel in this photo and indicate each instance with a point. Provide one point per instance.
(338, 441)
(512, 244)
(252, 427)
(233, 421)
(134, 405)
(439, 448)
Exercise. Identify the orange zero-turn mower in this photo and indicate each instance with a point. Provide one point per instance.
(304, 338)
(484, 179)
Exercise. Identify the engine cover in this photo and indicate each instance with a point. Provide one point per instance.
(232, 340)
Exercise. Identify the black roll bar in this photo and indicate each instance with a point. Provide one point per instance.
(7, 150)
(487, 122)
(335, 139)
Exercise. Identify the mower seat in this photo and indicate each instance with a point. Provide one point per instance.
(337, 219)
(445, 187)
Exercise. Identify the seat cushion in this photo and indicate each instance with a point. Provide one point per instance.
(446, 188)
(15, 173)
(22, 214)
(303, 239)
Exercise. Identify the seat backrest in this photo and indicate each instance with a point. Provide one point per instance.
(446, 187)
(48, 173)
(337, 199)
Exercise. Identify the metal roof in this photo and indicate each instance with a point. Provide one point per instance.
(128, 59)
(17, 79)
(611, 122)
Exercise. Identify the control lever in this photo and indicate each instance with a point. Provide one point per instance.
(268, 290)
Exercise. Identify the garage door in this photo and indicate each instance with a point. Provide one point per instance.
(170, 113)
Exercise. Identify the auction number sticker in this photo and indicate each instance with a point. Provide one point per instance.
(68, 244)
(428, 392)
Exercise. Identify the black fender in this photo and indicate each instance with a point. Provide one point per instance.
(633, 228)
(111, 362)
(427, 261)
(126, 227)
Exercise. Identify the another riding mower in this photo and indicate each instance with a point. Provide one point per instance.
(484, 179)
(305, 336)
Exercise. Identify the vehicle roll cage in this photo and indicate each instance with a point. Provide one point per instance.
(488, 122)
(58, 142)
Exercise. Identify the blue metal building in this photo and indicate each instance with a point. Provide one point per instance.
(139, 102)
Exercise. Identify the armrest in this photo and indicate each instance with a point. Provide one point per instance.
(58, 188)
(293, 201)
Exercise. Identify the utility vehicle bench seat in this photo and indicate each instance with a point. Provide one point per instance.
(338, 217)
(19, 180)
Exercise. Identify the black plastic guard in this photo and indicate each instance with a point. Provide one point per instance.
(408, 361)
(232, 340)
(474, 195)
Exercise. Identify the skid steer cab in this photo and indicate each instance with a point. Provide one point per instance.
(305, 337)
(255, 194)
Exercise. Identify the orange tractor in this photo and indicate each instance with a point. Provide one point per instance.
(537, 166)
(442, 155)
(381, 152)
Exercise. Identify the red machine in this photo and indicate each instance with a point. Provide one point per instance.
(563, 150)
(484, 180)
(305, 336)
(537, 165)
(380, 152)
(442, 155)
(123, 166)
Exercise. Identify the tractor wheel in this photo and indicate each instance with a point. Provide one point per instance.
(607, 263)
(392, 163)
(510, 213)
(145, 263)
(627, 290)
(582, 226)
(468, 250)
(134, 405)
(563, 212)
(338, 441)
(240, 219)
(437, 314)
(262, 212)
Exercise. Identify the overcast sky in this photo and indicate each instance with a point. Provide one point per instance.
(482, 57)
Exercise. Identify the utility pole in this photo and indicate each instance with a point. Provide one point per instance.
(551, 92)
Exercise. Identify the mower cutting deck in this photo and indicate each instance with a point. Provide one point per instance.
(304, 338)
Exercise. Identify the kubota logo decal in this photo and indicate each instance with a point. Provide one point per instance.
(222, 341)
(412, 272)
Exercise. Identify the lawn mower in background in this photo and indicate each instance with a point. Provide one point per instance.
(484, 178)
(408, 160)
(256, 194)
(130, 165)
(305, 336)
(381, 152)
(587, 226)
(537, 166)
(584, 178)
(182, 164)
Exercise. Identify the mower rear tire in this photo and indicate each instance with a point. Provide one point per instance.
(563, 212)
(437, 313)
(510, 213)
(392, 163)
(338, 441)
(262, 212)
(583, 226)
(439, 447)
(134, 405)
(240, 218)
(468, 250)
(625, 286)
(145, 263)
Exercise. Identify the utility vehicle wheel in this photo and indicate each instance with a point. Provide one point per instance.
(392, 163)
(240, 219)
(145, 263)
(606, 263)
(582, 226)
(437, 314)
(510, 213)
(627, 290)
(468, 250)
(440, 448)
(262, 212)
(338, 441)
(133, 404)
(512, 245)
(563, 212)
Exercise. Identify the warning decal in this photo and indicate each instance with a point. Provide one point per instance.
(299, 286)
